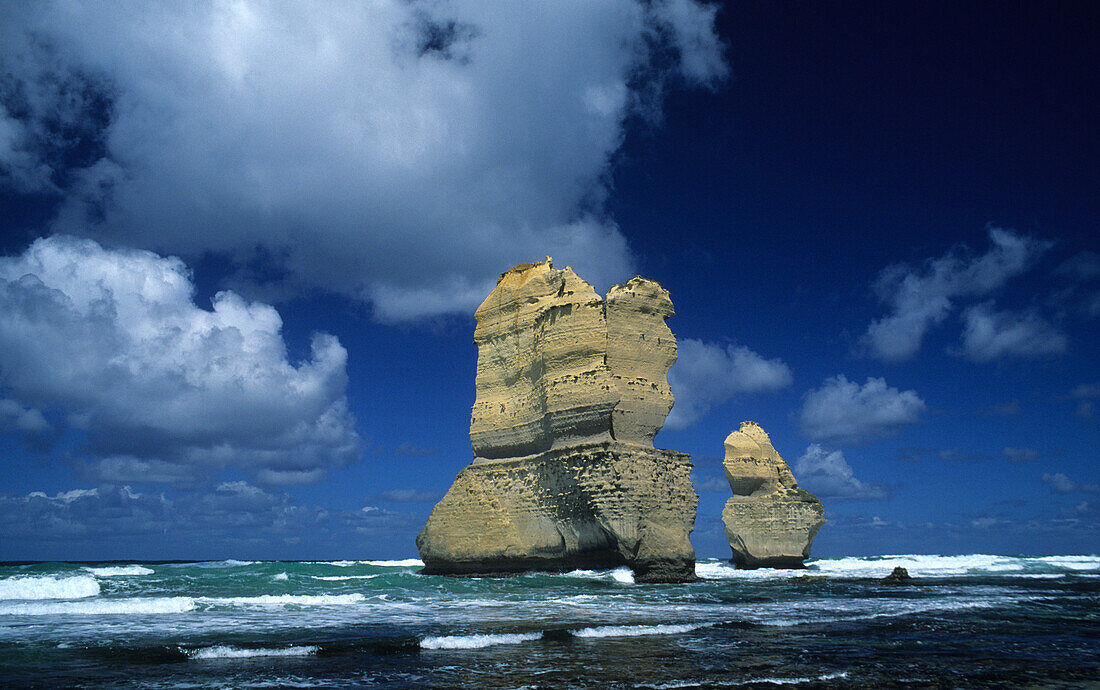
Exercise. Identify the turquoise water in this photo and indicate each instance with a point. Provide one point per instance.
(968, 621)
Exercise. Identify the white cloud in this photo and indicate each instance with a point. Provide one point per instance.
(990, 335)
(14, 415)
(923, 297)
(842, 411)
(707, 374)
(113, 342)
(1060, 483)
(828, 474)
(452, 138)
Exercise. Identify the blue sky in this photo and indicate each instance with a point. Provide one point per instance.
(242, 244)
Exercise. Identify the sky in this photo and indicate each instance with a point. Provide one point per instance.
(241, 244)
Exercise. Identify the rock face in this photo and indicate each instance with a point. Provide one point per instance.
(770, 522)
(898, 576)
(571, 390)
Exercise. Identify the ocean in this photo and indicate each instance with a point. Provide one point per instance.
(970, 621)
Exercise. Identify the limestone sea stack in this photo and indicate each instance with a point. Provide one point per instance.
(770, 522)
(571, 390)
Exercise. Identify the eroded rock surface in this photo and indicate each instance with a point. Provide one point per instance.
(770, 521)
(571, 390)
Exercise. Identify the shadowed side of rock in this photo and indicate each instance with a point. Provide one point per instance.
(597, 505)
(770, 522)
(571, 390)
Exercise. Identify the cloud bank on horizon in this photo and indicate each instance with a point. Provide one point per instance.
(397, 152)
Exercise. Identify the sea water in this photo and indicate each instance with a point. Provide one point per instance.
(965, 621)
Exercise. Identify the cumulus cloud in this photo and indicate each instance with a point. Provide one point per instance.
(112, 343)
(921, 297)
(305, 143)
(827, 474)
(990, 335)
(1060, 483)
(708, 374)
(842, 411)
(14, 415)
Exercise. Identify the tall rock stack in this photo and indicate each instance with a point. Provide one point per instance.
(770, 522)
(571, 390)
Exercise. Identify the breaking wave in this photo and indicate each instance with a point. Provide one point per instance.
(48, 587)
(637, 630)
(403, 563)
(120, 571)
(622, 575)
(476, 641)
(96, 607)
(918, 565)
(284, 600)
(227, 652)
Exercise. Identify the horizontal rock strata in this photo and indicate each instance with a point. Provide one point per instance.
(770, 521)
(571, 390)
(596, 505)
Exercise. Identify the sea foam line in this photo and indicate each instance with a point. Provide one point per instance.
(490, 639)
(48, 587)
(402, 563)
(637, 630)
(476, 641)
(119, 571)
(284, 600)
(96, 607)
(227, 652)
(677, 685)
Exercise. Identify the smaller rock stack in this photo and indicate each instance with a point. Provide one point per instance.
(770, 522)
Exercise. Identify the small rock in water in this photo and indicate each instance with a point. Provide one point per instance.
(900, 576)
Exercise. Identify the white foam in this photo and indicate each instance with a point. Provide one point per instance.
(228, 563)
(917, 565)
(340, 578)
(637, 630)
(622, 574)
(226, 652)
(836, 610)
(48, 587)
(675, 685)
(284, 600)
(402, 563)
(120, 571)
(1072, 562)
(709, 570)
(96, 607)
(795, 681)
(476, 641)
(282, 577)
